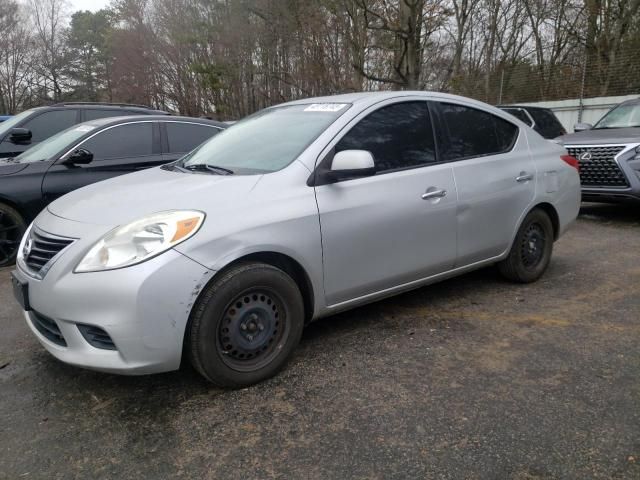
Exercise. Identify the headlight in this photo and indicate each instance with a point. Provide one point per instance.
(141, 240)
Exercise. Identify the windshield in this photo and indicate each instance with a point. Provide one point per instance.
(54, 145)
(12, 122)
(267, 141)
(623, 116)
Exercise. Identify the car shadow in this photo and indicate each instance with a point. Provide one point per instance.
(623, 213)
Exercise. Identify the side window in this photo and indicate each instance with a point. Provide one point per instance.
(104, 113)
(519, 114)
(184, 137)
(398, 136)
(468, 132)
(49, 123)
(130, 140)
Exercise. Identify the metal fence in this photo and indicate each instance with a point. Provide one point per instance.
(581, 76)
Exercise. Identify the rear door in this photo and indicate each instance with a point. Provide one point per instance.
(379, 232)
(179, 138)
(494, 174)
(117, 150)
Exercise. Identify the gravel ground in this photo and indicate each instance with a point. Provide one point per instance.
(470, 378)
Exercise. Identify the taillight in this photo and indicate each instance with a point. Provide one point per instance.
(573, 161)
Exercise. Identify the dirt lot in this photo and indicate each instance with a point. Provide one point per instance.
(470, 378)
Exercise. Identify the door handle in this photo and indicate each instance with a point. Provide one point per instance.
(434, 194)
(524, 177)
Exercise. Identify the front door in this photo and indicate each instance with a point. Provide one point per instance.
(379, 232)
(117, 150)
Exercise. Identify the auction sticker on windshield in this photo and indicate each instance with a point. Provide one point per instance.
(325, 107)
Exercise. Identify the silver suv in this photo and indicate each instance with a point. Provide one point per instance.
(297, 212)
(609, 154)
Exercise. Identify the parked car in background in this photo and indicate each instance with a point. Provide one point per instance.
(27, 129)
(609, 154)
(85, 154)
(294, 213)
(4, 117)
(542, 120)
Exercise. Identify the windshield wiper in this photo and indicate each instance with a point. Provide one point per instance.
(205, 167)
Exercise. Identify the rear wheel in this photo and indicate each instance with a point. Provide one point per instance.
(246, 325)
(531, 251)
(12, 227)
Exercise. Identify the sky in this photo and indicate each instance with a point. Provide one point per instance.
(92, 5)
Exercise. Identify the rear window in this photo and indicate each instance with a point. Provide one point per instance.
(547, 123)
(520, 114)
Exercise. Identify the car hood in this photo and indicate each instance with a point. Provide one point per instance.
(602, 136)
(123, 199)
(8, 166)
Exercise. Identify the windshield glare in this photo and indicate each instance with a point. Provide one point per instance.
(267, 141)
(12, 122)
(54, 145)
(623, 116)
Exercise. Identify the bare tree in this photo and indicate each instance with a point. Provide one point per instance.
(49, 18)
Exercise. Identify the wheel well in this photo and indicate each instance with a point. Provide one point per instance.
(291, 267)
(553, 216)
(9, 203)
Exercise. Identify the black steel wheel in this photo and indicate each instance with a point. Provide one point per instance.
(245, 325)
(532, 245)
(531, 251)
(12, 227)
(252, 329)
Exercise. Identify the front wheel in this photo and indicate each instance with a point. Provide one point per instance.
(531, 251)
(245, 325)
(12, 227)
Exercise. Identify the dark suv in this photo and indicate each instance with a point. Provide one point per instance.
(542, 120)
(23, 131)
(609, 155)
(85, 154)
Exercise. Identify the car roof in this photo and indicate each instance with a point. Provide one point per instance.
(375, 97)
(528, 107)
(107, 121)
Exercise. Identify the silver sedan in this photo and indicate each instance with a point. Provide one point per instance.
(297, 212)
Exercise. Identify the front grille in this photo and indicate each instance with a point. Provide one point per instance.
(41, 247)
(96, 337)
(48, 328)
(601, 170)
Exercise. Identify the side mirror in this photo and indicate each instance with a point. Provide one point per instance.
(351, 164)
(20, 135)
(80, 156)
(581, 127)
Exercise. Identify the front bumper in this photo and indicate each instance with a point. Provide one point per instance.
(627, 161)
(610, 195)
(144, 309)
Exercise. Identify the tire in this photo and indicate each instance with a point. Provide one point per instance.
(531, 251)
(12, 228)
(245, 325)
